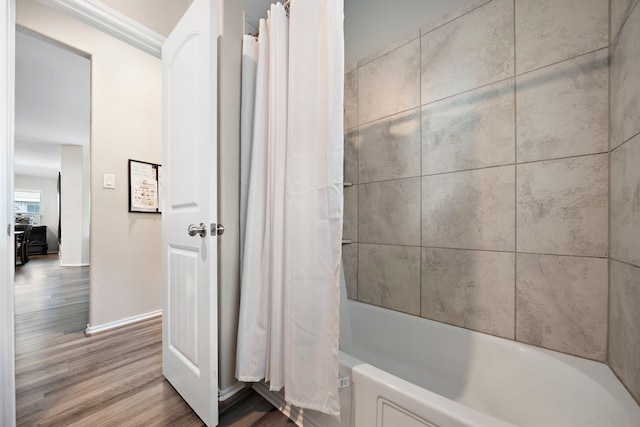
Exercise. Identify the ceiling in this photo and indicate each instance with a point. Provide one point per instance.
(160, 16)
(53, 95)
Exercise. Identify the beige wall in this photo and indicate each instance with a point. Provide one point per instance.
(125, 124)
(479, 156)
(72, 171)
(624, 300)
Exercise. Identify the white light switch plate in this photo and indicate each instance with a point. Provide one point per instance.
(108, 181)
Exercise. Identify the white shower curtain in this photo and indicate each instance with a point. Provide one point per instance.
(249, 69)
(289, 310)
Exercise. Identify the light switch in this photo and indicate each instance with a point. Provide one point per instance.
(108, 181)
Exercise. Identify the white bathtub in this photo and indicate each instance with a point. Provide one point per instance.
(411, 372)
(424, 373)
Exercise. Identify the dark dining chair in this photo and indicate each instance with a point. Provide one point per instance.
(21, 244)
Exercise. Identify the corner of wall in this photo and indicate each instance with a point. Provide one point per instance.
(623, 347)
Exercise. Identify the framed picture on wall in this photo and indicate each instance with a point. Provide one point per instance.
(144, 187)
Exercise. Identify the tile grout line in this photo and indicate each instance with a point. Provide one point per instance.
(421, 161)
(571, 58)
(484, 3)
(594, 257)
(630, 264)
(388, 116)
(357, 186)
(613, 39)
(623, 143)
(385, 52)
(598, 153)
(467, 91)
(489, 167)
(515, 181)
(609, 9)
(606, 349)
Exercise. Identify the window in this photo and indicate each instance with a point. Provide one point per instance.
(27, 207)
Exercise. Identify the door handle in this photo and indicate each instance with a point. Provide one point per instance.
(197, 229)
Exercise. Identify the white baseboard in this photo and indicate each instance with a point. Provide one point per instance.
(85, 264)
(92, 330)
(295, 414)
(230, 391)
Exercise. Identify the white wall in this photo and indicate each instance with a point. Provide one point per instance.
(86, 204)
(125, 124)
(48, 188)
(372, 24)
(71, 205)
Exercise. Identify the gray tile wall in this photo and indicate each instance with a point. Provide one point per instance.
(624, 279)
(478, 149)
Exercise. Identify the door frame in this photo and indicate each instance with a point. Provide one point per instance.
(7, 88)
(101, 17)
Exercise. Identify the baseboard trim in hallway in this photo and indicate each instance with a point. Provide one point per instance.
(229, 392)
(93, 330)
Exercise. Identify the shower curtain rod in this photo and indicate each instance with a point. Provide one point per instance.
(286, 5)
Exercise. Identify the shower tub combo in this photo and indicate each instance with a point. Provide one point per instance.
(406, 371)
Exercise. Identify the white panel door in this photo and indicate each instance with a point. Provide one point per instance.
(189, 263)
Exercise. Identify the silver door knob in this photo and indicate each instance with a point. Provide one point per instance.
(197, 229)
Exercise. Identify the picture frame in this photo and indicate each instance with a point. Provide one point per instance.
(145, 185)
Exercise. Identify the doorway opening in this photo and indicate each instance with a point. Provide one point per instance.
(52, 147)
(51, 193)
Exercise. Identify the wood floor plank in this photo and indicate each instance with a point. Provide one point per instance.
(274, 419)
(168, 405)
(246, 412)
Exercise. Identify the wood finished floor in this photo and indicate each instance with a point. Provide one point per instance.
(112, 379)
